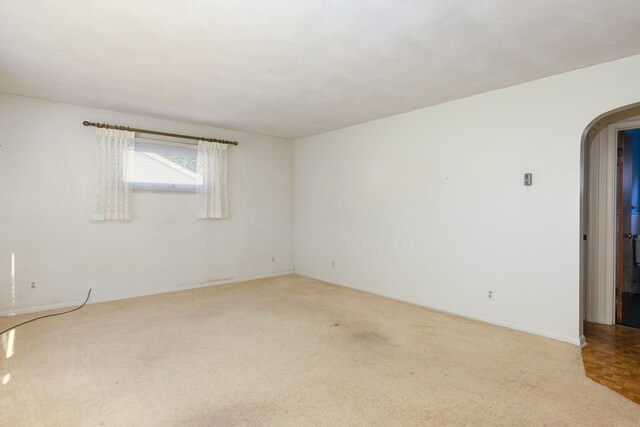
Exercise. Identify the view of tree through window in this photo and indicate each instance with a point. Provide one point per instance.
(164, 167)
(187, 162)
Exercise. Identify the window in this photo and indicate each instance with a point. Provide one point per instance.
(164, 166)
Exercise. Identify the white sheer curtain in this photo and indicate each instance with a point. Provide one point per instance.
(211, 184)
(112, 168)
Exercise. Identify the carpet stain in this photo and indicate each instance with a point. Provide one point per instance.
(369, 337)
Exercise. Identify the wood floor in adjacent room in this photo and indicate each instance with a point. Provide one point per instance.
(291, 351)
(612, 358)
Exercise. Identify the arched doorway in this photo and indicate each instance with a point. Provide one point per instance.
(609, 261)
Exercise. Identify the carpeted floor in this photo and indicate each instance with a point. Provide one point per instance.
(292, 351)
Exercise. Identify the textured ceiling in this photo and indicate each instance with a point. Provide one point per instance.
(295, 68)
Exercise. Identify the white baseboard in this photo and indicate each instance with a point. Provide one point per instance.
(571, 340)
(68, 304)
(583, 341)
(578, 341)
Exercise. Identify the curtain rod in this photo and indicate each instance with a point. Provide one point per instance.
(153, 132)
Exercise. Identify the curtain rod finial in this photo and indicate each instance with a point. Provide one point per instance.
(86, 123)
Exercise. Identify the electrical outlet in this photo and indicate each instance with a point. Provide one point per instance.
(273, 259)
(33, 286)
(491, 294)
(333, 264)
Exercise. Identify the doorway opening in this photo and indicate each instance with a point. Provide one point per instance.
(627, 297)
(610, 251)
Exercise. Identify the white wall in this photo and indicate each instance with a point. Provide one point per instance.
(45, 168)
(429, 206)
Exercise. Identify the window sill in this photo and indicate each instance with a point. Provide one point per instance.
(163, 188)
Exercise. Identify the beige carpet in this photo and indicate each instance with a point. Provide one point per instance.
(291, 351)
